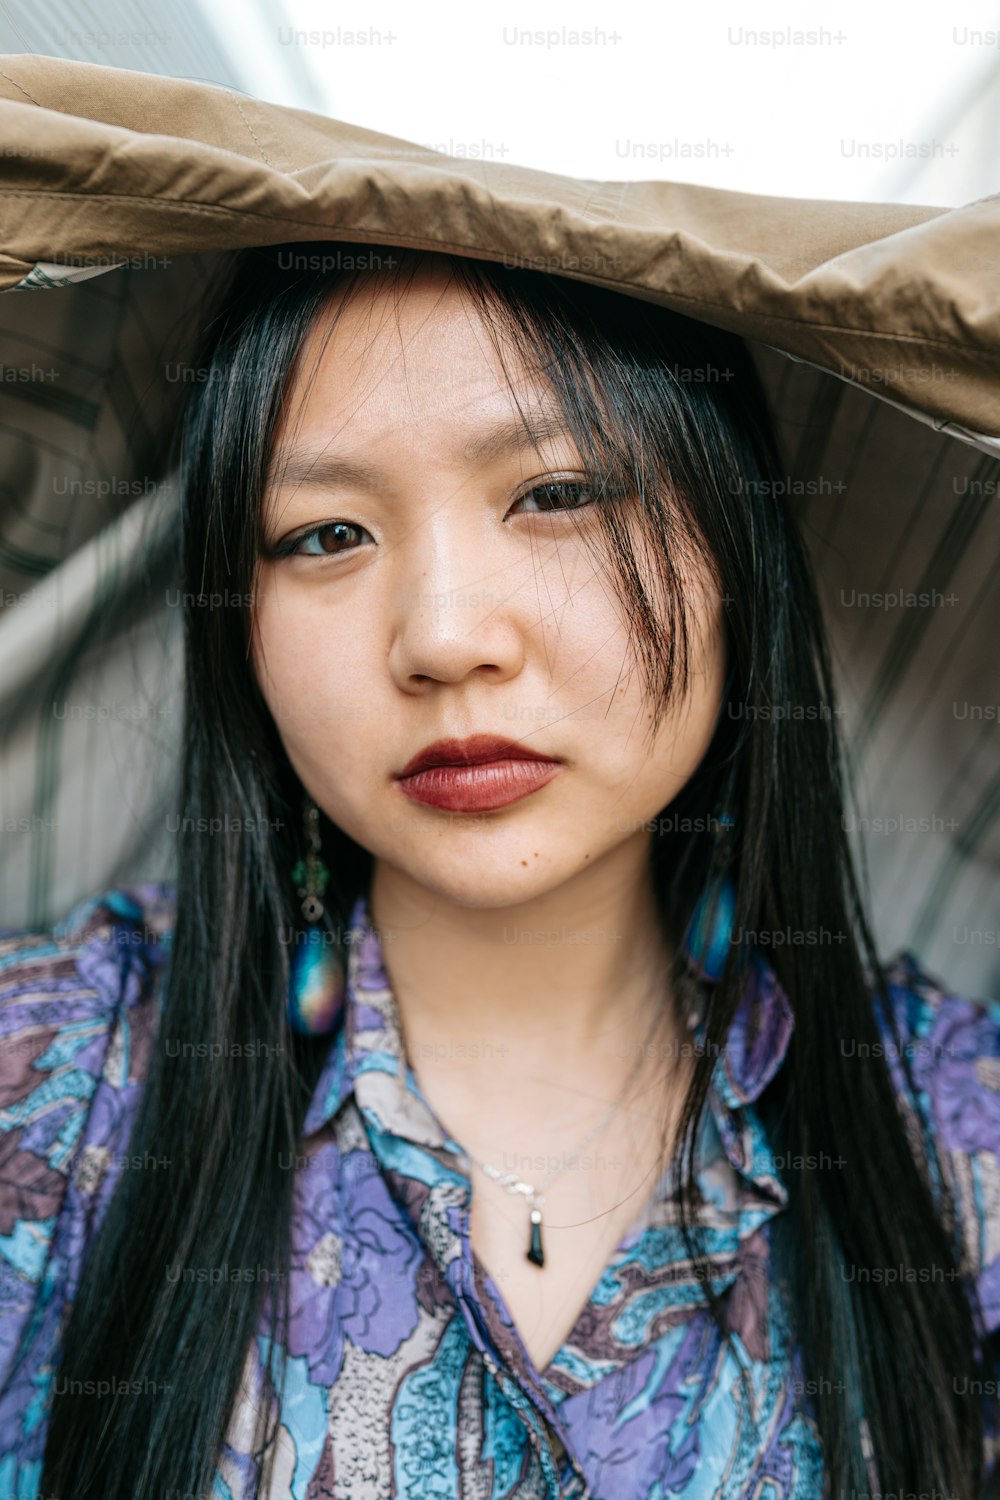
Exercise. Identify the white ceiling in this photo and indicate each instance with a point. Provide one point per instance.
(875, 106)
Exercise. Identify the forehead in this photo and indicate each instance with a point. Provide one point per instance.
(410, 347)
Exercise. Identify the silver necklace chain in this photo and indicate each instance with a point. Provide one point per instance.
(534, 1195)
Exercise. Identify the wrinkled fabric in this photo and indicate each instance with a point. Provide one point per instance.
(406, 1374)
(875, 328)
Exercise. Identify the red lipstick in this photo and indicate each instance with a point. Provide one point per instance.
(479, 774)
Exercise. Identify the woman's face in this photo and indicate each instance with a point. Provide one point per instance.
(448, 596)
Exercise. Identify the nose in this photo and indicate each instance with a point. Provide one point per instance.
(454, 610)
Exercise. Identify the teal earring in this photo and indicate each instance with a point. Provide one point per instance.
(709, 932)
(316, 973)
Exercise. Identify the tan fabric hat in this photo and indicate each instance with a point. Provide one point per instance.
(876, 328)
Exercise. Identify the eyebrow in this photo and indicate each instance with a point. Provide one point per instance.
(322, 468)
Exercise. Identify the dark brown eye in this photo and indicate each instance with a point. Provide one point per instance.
(574, 494)
(329, 539)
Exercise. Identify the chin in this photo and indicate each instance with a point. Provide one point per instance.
(493, 890)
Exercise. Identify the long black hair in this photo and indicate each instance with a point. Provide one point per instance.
(668, 412)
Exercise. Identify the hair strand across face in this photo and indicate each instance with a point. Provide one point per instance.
(670, 420)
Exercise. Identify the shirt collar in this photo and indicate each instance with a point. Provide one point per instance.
(758, 1038)
(367, 1050)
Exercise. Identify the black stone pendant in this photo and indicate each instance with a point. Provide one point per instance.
(535, 1252)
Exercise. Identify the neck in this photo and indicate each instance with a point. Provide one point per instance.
(544, 1002)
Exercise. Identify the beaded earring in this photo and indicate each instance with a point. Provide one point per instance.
(316, 972)
(710, 930)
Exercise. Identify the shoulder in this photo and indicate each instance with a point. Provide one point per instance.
(77, 1006)
(952, 1042)
(77, 978)
(952, 1045)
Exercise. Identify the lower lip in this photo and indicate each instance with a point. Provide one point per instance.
(495, 783)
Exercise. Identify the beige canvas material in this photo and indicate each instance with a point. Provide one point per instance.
(122, 162)
(876, 327)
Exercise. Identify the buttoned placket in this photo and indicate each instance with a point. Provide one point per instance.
(392, 1104)
(529, 1403)
(544, 1423)
(401, 1110)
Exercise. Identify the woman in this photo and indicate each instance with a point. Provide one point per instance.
(457, 1131)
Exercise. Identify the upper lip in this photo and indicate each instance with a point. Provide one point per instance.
(474, 751)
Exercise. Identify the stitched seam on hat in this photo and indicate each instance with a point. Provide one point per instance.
(253, 132)
(24, 91)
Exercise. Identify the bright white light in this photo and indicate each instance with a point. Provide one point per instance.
(871, 108)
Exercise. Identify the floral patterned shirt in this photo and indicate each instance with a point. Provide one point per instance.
(406, 1375)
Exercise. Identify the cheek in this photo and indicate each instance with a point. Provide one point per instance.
(666, 761)
(698, 714)
(314, 688)
(279, 640)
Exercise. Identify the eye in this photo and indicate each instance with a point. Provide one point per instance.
(333, 537)
(551, 490)
(327, 538)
